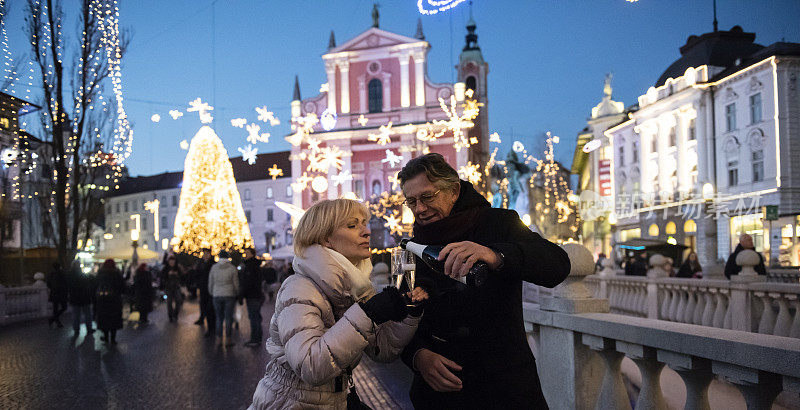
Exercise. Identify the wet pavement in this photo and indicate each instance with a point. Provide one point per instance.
(160, 365)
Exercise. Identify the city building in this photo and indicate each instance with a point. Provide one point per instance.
(708, 153)
(592, 163)
(132, 207)
(379, 108)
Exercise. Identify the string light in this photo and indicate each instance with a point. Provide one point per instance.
(431, 7)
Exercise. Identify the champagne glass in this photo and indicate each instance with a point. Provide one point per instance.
(409, 268)
(397, 267)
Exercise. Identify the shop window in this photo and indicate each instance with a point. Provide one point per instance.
(652, 230)
(670, 228)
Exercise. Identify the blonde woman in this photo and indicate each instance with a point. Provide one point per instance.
(327, 314)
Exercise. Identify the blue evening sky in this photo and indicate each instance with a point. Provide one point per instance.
(547, 58)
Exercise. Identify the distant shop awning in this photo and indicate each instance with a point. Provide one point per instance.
(126, 253)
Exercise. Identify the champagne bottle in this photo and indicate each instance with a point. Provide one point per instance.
(430, 255)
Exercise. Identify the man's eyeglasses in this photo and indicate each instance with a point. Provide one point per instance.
(426, 199)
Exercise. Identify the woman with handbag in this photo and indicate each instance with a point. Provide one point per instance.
(327, 314)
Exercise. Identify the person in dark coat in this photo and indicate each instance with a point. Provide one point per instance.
(745, 242)
(171, 281)
(80, 288)
(637, 266)
(691, 267)
(206, 301)
(143, 292)
(270, 277)
(110, 287)
(251, 279)
(57, 283)
(470, 350)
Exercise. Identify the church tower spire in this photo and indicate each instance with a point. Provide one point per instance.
(331, 41)
(419, 34)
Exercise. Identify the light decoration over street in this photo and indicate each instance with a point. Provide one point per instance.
(388, 206)
(342, 177)
(362, 120)
(275, 172)
(323, 88)
(494, 137)
(175, 114)
(392, 158)
(152, 206)
(254, 136)
(301, 182)
(267, 116)
(210, 212)
(556, 187)
(155, 118)
(384, 135)
(238, 122)
(470, 172)
(249, 154)
(457, 123)
(184, 144)
(202, 110)
(328, 120)
(431, 7)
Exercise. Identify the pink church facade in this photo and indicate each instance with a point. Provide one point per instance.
(378, 84)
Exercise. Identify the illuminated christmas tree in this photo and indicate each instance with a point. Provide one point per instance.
(210, 213)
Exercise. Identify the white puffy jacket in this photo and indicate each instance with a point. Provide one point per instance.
(318, 331)
(223, 280)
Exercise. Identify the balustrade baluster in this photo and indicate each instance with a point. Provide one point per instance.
(628, 294)
(708, 312)
(759, 388)
(691, 305)
(642, 305)
(663, 314)
(767, 322)
(721, 311)
(673, 306)
(612, 393)
(783, 324)
(795, 331)
(696, 374)
(650, 395)
(700, 308)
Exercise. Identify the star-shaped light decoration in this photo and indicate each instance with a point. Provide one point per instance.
(342, 177)
(184, 144)
(384, 135)
(394, 180)
(202, 109)
(394, 223)
(238, 122)
(457, 123)
(470, 172)
(155, 118)
(301, 182)
(392, 158)
(494, 137)
(313, 143)
(275, 172)
(253, 135)
(362, 120)
(175, 114)
(266, 115)
(249, 154)
(323, 88)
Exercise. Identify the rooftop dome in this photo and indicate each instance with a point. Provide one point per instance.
(719, 48)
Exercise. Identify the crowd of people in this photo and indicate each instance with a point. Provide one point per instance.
(96, 299)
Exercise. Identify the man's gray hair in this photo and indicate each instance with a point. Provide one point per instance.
(435, 168)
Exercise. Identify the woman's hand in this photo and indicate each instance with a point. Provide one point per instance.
(418, 295)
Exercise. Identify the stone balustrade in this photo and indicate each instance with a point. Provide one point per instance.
(22, 303)
(580, 346)
(740, 304)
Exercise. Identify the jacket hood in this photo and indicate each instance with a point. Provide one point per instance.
(337, 277)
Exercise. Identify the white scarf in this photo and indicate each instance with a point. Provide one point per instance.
(316, 257)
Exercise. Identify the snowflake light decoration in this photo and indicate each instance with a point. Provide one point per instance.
(238, 122)
(267, 116)
(184, 144)
(155, 118)
(249, 154)
(253, 135)
(175, 114)
(457, 123)
(384, 135)
(324, 88)
(202, 110)
(494, 137)
(342, 177)
(392, 158)
(362, 120)
(275, 172)
(470, 172)
(301, 182)
(394, 180)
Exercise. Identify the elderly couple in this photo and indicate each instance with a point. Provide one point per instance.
(467, 349)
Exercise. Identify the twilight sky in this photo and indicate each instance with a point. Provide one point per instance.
(547, 58)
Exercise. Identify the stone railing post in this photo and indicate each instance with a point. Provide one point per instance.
(42, 294)
(741, 299)
(607, 272)
(574, 372)
(654, 297)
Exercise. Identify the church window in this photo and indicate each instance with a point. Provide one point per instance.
(375, 95)
(376, 187)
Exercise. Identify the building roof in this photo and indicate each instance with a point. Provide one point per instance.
(242, 172)
(719, 48)
(775, 49)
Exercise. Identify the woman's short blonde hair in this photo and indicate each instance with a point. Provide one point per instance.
(324, 217)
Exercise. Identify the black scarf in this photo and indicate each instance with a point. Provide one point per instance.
(467, 210)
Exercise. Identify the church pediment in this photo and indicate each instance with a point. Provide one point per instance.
(374, 38)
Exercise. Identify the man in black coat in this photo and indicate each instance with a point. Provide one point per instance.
(81, 289)
(57, 283)
(745, 242)
(470, 350)
(206, 304)
(250, 281)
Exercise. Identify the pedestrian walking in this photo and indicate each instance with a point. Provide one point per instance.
(690, 268)
(171, 280)
(223, 286)
(327, 315)
(143, 292)
(270, 277)
(57, 283)
(108, 296)
(206, 303)
(80, 287)
(251, 279)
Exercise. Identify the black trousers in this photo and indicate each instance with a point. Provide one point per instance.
(207, 311)
(59, 307)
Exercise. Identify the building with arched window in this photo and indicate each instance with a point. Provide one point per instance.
(379, 97)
